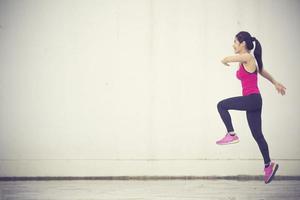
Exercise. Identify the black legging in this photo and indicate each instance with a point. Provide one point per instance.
(253, 105)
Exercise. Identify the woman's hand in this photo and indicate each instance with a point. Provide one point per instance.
(280, 88)
(225, 62)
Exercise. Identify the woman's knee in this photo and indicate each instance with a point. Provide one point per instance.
(220, 105)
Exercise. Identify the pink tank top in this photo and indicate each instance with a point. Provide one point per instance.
(249, 81)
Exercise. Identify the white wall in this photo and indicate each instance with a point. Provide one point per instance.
(112, 87)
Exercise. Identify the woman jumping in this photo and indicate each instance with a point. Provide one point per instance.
(251, 101)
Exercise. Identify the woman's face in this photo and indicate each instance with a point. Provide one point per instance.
(237, 46)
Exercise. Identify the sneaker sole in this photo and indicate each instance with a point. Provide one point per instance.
(273, 174)
(233, 142)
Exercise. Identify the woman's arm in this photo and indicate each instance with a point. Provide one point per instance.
(279, 87)
(242, 58)
(267, 76)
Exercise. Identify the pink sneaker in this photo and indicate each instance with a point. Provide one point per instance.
(228, 139)
(270, 172)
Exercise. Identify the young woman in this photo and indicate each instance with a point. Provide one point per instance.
(251, 101)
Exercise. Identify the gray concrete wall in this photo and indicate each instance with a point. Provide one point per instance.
(111, 87)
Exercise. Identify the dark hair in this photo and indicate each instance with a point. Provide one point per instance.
(244, 36)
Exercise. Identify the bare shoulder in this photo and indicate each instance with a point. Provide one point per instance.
(247, 56)
(250, 65)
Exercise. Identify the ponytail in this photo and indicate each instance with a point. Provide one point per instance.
(257, 53)
(245, 36)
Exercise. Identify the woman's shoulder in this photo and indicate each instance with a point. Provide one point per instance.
(248, 57)
(250, 66)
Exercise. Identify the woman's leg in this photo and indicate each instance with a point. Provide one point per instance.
(246, 103)
(254, 121)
